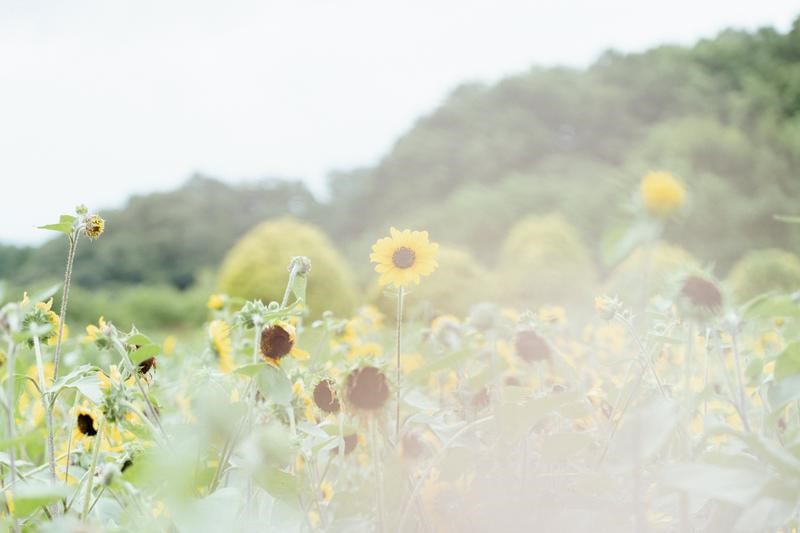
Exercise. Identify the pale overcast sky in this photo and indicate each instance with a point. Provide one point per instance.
(103, 98)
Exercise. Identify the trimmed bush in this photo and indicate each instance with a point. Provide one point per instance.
(544, 261)
(256, 266)
(762, 271)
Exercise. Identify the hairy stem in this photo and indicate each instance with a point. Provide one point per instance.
(400, 296)
(73, 246)
(48, 409)
(87, 495)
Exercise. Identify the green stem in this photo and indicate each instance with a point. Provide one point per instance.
(73, 246)
(739, 380)
(87, 495)
(10, 422)
(400, 295)
(373, 444)
(48, 409)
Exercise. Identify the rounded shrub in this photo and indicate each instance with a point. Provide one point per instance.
(648, 270)
(544, 261)
(762, 271)
(256, 266)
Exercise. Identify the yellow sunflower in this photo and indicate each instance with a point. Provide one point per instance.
(404, 257)
(662, 194)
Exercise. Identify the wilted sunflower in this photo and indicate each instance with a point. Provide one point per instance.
(278, 341)
(701, 293)
(662, 194)
(325, 396)
(145, 366)
(531, 346)
(367, 389)
(404, 257)
(94, 227)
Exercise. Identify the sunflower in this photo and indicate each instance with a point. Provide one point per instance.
(367, 389)
(662, 194)
(219, 331)
(278, 341)
(325, 396)
(94, 227)
(404, 257)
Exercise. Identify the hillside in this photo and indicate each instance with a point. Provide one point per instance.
(722, 115)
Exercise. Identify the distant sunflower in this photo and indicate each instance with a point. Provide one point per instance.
(702, 294)
(661, 193)
(325, 396)
(367, 389)
(404, 257)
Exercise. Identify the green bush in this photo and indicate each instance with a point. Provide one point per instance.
(761, 271)
(544, 261)
(653, 267)
(256, 266)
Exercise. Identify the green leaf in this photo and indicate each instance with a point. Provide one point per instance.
(274, 385)
(29, 498)
(447, 362)
(561, 446)
(46, 294)
(36, 434)
(138, 339)
(771, 305)
(145, 352)
(250, 369)
(738, 485)
(788, 362)
(788, 218)
(783, 392)
(64, 225)
(84, 379)
(281, 485)
(643, 433)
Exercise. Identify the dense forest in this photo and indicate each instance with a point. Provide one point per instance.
(723, 115)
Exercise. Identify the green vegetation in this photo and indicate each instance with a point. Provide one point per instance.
(255, 268)
(762, 271)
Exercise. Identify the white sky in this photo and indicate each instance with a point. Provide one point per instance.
(103, 98)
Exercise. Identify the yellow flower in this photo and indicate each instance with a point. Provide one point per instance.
(553, 315)
(219, 331)
(662, 194)
(94, 227)
(168, 346)
(277, 341)
(411, 362)
(92, 331)
(404, 257)
(367, 349)
(215, 302)
(327, 491)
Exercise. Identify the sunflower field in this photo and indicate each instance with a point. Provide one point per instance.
(675, 407)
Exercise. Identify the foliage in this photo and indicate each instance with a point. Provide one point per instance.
(544, 261)
(256, 267)
(762, 271)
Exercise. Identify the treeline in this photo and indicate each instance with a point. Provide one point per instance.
(722, 115)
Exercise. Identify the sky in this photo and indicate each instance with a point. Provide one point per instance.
(101, 99)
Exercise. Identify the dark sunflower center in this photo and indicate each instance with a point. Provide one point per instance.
(86, 425)
(404, 257)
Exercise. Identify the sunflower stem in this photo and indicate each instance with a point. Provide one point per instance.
(739, 380)
(373, 444)
(73, 246)
(400, 297)
(87, 495)
(48, 408)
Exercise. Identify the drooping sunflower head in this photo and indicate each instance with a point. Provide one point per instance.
(531, 346)
(702, 294)
(367, 389)
(277, 341)
(86, 422)
(325, 396)
(404, 257)
(661, 193)
(145, 366)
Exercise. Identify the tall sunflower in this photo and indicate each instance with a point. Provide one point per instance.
(404, 257)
